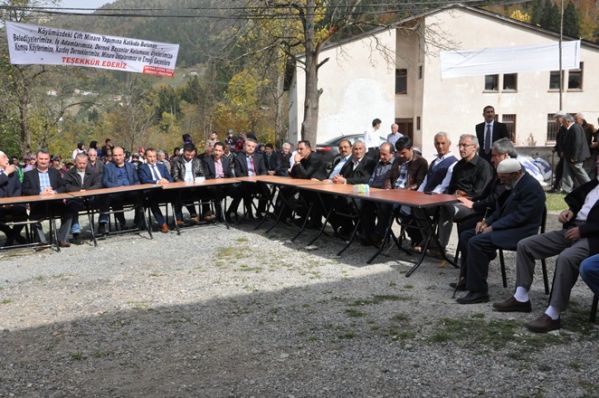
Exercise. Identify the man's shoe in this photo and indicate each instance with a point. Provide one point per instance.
(179, 223)
(459, 286)
(474, 298)
(76, 240)
(512, 305)
(20, 239)
(195, 220)
(543, 324)
(63, 243)
(164, 228)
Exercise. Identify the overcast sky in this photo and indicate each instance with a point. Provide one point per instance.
(84, 3)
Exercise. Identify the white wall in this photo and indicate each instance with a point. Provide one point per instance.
(358, 84)
(455, 105)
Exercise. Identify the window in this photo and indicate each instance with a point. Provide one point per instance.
(420, 72)
(491, 82)
(510, 123)
(510, 82)
(552, 127)
(401, 81)
(554, 79)
(417, 122)
(575, 78)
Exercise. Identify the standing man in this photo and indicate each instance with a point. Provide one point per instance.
(488, 132)
(575, 153)
(153, 172)
(395, 134)
(372, 139)
(44, 180)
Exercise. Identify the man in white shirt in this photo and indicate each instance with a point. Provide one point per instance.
(395, 134)
(372, 139)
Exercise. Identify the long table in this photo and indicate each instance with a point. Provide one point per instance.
(400, 197)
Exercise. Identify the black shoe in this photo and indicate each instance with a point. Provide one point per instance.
(20, 239)
(101, 230)
(474, 298)
(63, 243)
(76, 240)
(512, 305)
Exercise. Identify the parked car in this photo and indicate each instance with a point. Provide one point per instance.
(329, 149)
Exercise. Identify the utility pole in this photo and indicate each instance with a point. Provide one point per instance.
(561, 71)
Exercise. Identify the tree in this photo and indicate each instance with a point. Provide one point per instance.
(571, 23)
(538, 7)
(551, 16)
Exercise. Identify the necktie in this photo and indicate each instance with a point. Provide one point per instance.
(488, 138)
(252, 164)
(154, 172)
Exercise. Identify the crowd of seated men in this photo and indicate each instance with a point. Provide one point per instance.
(500, 206)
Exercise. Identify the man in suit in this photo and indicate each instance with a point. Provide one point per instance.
(10, 186)
(488, 132)
(576, 241)
(517, 215)
(271, 160)
(355, 170)
(307, 164)
(248, 163)
(345, 154)
(153, 172)
(186, 168)
(576, 151)
(119, 173)
(217, 166)
(284, 160)
(43, 180)
(94, 164)
(81, 178)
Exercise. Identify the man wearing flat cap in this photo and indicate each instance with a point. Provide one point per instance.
(578, 239)
(517, 215)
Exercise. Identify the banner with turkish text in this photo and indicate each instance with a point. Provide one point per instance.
(33, 44)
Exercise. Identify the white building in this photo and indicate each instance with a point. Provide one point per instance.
(395, 75)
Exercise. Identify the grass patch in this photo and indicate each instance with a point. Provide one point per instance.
(379, 299)
(555, 202)
(346, 335)
(247, 268)
(353, 313)
(401, 317)
(474, 332)
(6, 301)
(242, 239)
(77, 356)
(408, 286)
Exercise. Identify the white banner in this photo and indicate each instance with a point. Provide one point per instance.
(489, 61)
(32, 44)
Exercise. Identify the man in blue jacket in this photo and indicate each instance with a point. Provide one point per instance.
(153, 172)
(517, 215)
(119, 173)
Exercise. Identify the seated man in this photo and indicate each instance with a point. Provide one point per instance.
(81, 177)
(371, 210)
(589, 272)
(355, 170)
(217, 166)
(284, 160)
(576, 241)
(248, 163)
(517, 215)
(153, 172)
(186, 168)
(10, 186)
(44, 180)
(119, 173)
(345, 153)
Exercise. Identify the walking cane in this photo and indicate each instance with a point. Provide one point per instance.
(484, 219)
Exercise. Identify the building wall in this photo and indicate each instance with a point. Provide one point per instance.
(455, 105)
(358, 84)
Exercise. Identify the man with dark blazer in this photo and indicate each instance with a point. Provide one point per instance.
(10, 186)
(153, 172)
(217, 166)
(44, 180)
(187, 167)
(576, 241)
(81, 178)
(488, 132)
(284, 160)
(119, 173)
(247, 163)
(576, 151)
(517, 215)
(271, 160)
(358, 168)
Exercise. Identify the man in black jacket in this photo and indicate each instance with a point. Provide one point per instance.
(44, 180)
(488, 132)
(81, 177)
(248, 163)
(10, 186)
(577, 240)
(576, 151)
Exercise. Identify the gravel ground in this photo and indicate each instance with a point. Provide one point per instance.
(218, 312)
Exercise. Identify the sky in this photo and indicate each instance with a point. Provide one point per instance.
(84, 3)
